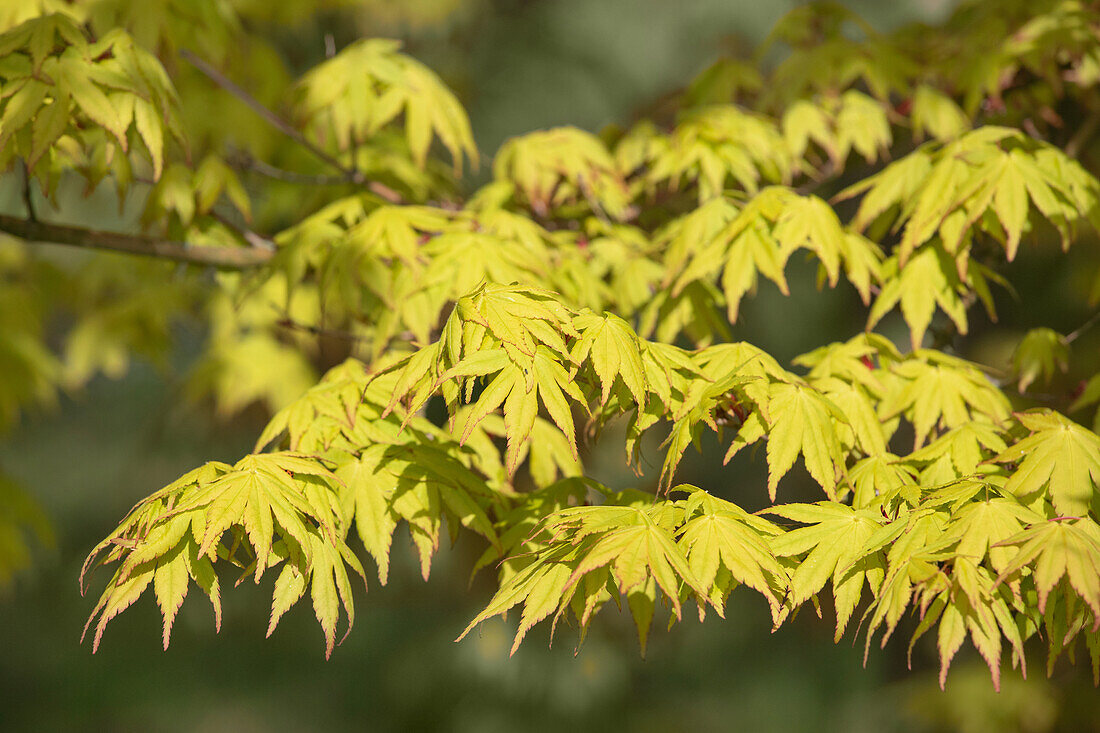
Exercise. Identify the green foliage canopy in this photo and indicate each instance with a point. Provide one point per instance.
(592, 279)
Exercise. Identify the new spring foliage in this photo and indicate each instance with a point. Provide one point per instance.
(596, 278)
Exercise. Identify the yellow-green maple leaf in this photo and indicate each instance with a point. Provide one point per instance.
(1059, 456)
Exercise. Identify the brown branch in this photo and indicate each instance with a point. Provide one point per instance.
(1084, 132)
(254, 240)
(292, 325)
(828, 172)
(347, 174)
(243, 161)
(351, 175)
(27, 200)
(1069, 339)
(231, 258)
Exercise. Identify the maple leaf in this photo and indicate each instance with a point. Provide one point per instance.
(833, 545)
(801, 421)
(177, 533)
(1090, 395)
(67, 83)
(878, 475)
(540, 587)
(717, 143)
(330, 406)
(936, 390)
(623, 259)
(631, 545)
(1060, 548)
(958, 452)
(723, 542)
(852, 361)
(862, 428)
(1059, 456)
(839, 125)
(370, 83)
(982, 527)
(916, 547)
(459, 262)
(682, 238)
(943, 191)
(760, 239)
(519, 392)
(723, 376)
(518, 317)
(930, 279)
(1039, 353)
(613, 349)
(796, 418)
(421, 484)
(963, 601)
(367, 498)
(635, 547)
(564, 165)
(935, 113)
(741, 250)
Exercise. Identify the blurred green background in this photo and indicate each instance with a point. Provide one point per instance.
(518, 65)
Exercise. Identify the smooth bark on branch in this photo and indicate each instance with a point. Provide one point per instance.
(225, 257)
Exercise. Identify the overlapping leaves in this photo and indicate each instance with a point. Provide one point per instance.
(564, 166)
(737, 246)
(588, 555)
(268, 509)
(68, 101)
(1059, 456)
(936, 391)
(990, 179)
(392, 469)
(716, 148)
(968, 531)
(367, 86)
(837, 126)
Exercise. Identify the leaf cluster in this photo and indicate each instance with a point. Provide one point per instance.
(594, 278)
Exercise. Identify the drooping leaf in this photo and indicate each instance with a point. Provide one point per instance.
(1039, 354)
(1060, 457)
(1060, 548)
(367, 85)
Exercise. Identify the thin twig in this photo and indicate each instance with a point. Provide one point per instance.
(593, 204)
(242, 160)
(258, 241)
(232, 258)
(293, 325)
(254, 239)
(1083, 133)
(27, 200)
(819, 177)
(351, 175)
(1069, 339)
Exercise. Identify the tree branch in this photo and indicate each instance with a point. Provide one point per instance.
(1083, 133)
(225, 257)
(350, 174)
(253, 239)
(243, 160)
(1069, 339)
(27, 200)
(292, 325)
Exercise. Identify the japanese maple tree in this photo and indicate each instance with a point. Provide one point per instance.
(486, 332)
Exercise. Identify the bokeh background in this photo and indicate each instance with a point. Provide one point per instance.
(518, 65)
